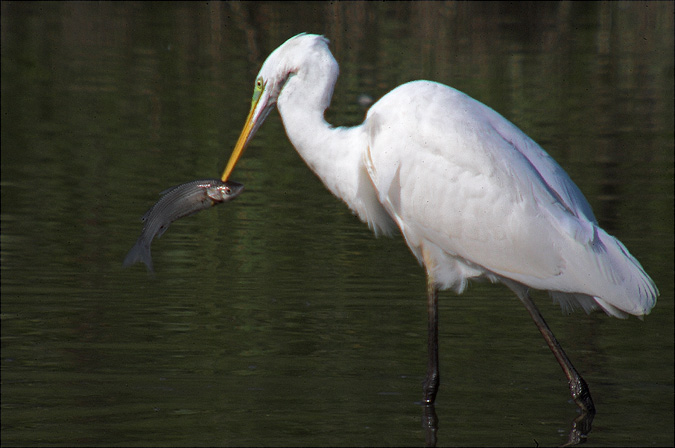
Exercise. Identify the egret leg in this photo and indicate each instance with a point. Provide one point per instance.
(578, 387)
(432, 380)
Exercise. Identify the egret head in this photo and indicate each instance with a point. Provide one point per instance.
(283, 63)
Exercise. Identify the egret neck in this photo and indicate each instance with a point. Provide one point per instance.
(334, 154)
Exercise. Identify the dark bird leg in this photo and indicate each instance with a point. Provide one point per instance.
(432, 380)
(578, 387)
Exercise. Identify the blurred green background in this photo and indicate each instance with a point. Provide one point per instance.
(279, 319)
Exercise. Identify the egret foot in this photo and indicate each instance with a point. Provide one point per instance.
(581, 394)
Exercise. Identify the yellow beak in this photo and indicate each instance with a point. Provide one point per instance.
(238, 150)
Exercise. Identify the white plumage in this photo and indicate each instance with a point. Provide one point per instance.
(474, 197)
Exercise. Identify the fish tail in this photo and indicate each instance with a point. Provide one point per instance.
(140, 252)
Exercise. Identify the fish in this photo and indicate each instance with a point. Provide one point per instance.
(175, 203)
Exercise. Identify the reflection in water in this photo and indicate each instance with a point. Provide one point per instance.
(430, 424)
(581, 426)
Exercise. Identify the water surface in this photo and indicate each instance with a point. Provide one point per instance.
(279, 319)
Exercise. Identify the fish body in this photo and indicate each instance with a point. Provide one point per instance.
(177, 202)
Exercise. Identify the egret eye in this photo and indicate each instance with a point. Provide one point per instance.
(259, 87)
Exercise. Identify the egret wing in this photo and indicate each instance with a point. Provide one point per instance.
(470, 187)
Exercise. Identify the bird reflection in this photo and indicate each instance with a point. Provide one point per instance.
(581, 426)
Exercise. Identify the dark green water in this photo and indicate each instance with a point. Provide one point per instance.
(278, 319)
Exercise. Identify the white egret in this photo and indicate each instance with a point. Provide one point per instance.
(473, 196)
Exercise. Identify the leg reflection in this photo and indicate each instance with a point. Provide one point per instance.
(430, 424)
(581, 426)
